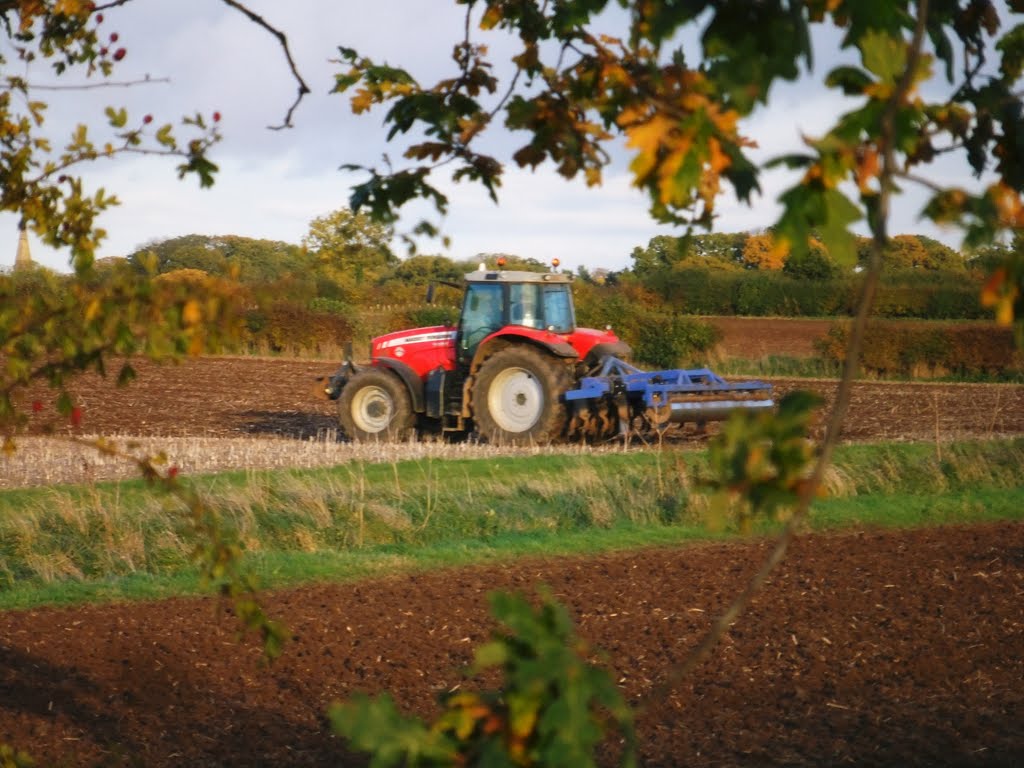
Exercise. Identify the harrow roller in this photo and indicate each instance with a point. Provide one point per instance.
(619, 393)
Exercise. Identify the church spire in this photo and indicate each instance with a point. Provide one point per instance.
(23, 260)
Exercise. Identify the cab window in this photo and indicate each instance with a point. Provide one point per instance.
(558, 308)
(524, 305)
(482, 314)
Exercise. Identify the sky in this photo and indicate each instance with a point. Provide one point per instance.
(273, 183)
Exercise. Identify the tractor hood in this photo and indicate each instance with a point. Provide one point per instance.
(422, 349)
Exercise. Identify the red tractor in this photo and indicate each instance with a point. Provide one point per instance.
(517, 370)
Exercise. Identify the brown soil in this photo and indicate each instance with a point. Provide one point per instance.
(231, 397)
(872, 648)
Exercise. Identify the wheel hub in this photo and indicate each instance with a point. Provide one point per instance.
(372, 409)
(515, 400)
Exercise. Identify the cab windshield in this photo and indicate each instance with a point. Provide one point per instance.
(539, 305)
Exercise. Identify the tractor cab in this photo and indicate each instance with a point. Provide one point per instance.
(514, 302)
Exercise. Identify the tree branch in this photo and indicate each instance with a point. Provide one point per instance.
(90, 86)
(282, 39)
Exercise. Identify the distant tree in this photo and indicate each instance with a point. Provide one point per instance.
(941, 256)
(186, 252)
(913, 252)
(661, 253)
(352, 245)
(812, 264)
(522, 263)
(713, 250)
(725, 248)
(251, 260)
(760, 251)
(986, 259)
(423, 269)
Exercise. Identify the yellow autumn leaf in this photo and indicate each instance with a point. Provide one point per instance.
(632, 114)
(1008, 203)
(92, 310)
(718, 160)
(361, 101)
(999, 293)
(670, 192)
(191, 313)
(709, 187)
(648, 138)
(67, 7)
(491, 18)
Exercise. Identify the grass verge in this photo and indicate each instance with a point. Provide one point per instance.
(120, 541)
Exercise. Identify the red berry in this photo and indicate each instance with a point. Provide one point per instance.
(99, 18)
(147, 119)
(103, 51)
(172, 473)
(216, 117)
(37, 406)
(76, 416)
(119, 54)
(114, 37)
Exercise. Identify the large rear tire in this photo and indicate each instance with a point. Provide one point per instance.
(518, 397)
(375, 405)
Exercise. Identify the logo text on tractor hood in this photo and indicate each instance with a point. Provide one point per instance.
(419, 338)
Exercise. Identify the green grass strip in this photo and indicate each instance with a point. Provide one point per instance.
(120, 541)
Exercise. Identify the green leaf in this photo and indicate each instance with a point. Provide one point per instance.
(164, 136)
(851, 80)
(118, 118)
(840, 213)
(883, 55)
(376, 726)
(1011, 46)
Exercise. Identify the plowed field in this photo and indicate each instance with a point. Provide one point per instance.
(236, 397)
(870, 648)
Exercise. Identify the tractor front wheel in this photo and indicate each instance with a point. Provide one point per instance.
(375, 405)
(517, 397)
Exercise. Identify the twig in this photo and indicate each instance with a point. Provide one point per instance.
(90, 86)
(282, 39)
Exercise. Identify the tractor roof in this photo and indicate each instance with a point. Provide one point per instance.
(493, 275)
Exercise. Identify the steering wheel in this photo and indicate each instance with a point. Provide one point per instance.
(474, 337)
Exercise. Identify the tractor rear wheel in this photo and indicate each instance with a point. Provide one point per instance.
(517, 397)
(375, 405)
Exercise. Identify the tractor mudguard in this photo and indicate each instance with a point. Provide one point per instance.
(549, 342)
(337, 380)
(619, 349)
(412, 382)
